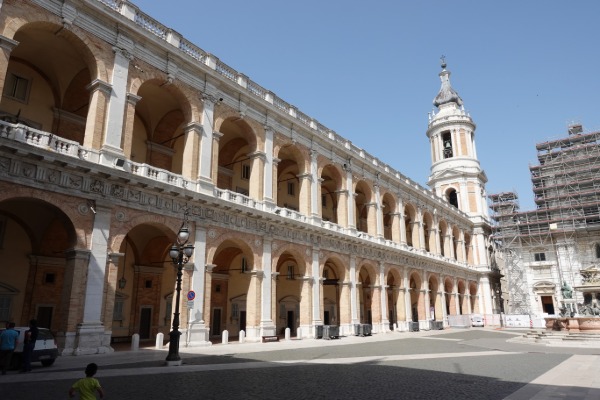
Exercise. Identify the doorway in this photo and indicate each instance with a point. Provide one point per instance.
(548, 304)
(216, 322)
(243, 321)
(290, 322)
(145, 322)
(44, 316)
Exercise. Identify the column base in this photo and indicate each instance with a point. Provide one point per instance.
(205, 186)
(89, 338)
(197, 335)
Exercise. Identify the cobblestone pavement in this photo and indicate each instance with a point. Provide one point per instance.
(449, 364)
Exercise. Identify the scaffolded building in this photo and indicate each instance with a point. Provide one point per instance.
(544, 248)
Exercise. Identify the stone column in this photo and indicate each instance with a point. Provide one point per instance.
(350, 203)
(207, 172)
(378, 213)
(256, 175)
(346, 308)
(304, 195)
(402, 222)
(216, 136)
(96, 118)
(316, 294)
(206, 295)
(127, 139)
(6, 47)
(372, 218)
(456, 296)
(267, 325)
(274, 181)
(420, 224)
(116, 104)
(353, 291)
(315, 210)
(385, 321)
(426, 292)
(306, 306)
(189, 167)
(198, 331)
(77, 261)
(342, 210)
(91, 335)
(268, 167)
(407, 299)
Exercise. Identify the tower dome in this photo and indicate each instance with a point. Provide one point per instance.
(446, 94)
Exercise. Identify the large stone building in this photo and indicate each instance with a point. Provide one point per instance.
(545, 248)
(114, 127)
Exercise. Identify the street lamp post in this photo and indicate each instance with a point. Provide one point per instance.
(180, 253)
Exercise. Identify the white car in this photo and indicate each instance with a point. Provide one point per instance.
(477, 320)
(45, 350)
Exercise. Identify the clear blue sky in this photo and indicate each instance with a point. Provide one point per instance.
(369, 70)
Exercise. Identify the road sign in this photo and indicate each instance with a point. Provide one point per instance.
(191, 295)
(190, 304)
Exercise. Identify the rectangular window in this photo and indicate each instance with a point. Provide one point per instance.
(290, 272)
(539, 256)
(118, 310)
(291, 188)
(16, 87)
(4, 308)
(244, 265)
(245, 171)
(324, 200)
(49, 278)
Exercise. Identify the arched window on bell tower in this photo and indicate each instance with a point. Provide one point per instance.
(447, 144)
(452, 197)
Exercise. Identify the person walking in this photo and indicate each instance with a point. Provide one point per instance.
(29, 344)
(8, 342)
(86, 387)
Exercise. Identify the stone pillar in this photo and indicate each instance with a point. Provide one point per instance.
(6, 47)
(385, 321)
(267, 326)
(315, 210)
(350, 202)
(485, 295)
(112, 270)
(127, 139)
(198, 331)
(402, 223)
(77, 261)
(189, 167)
(216, 136)
(208, 278)
(426, 295)
(421, 228)
(96, 118)
(372, 218)
(316, 294)
(346, 307)
(305, 305)
(456, 296)
(208, 168)
(342, 211)
(256, 175)
(407, 299)
(91, 335)
(353, 291)
(378, 213)
(304, 195)
(268, 167)
(116, 104)
(274, 181)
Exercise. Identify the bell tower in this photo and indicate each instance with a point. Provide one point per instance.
(456, 174)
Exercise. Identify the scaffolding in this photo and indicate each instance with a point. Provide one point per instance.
(566, 187)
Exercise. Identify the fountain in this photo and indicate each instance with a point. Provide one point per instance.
(583, 317)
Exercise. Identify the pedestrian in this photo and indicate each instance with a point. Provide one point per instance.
(8, 342)
(86, 387)
(31, 336)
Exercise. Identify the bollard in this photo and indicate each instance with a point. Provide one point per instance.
(135, 342)
(159, 340)
(287, 333)
(225, 337)
(299, 333)
(242, 337)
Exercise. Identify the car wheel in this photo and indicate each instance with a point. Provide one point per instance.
(47, 363)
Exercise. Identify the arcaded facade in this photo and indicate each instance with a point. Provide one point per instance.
(113, 126)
